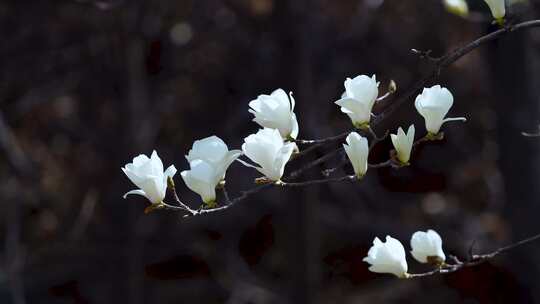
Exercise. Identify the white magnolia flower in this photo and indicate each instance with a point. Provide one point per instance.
(387, 257)
(357, 150)
(202, 178)
(276, 111)
(403, 143)
(497, 8)
(267, 149)
(427, 247)
(360, 94)
(214, 152)
(433, 104)
(458, 7)
(147, 174)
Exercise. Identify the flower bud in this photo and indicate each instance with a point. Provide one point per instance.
(147, 174)
(387, 257)
(202, 178)
(267, 149)
(360, 94)
(357, 150)
(427, 247)
(215, 152)
(433, 104)
(403, 144)
(497, 8)
(276, 111)
(458, 7)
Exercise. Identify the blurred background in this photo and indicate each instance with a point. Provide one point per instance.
(87, 85)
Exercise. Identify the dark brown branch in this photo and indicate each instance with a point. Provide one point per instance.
(314, 163)
(387, 163)
(425, 55)
(319, 181)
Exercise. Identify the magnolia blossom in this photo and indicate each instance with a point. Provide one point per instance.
(276, 111)
(360, 94)
(214, 152)
(427, 247)
(403, 143)
(267, 149)
(147, 174)
(357, 150)
(497, 8)
(458, 7)
(433, 104)
(387, 257)
(202, 178)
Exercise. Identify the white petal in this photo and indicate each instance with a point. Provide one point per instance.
(157, 164)
(136, 192)
(497, 8)
(211, 149)
(170, 172)
(201, 179)
(293, 102)
(294, 130)
(358, 112)
(281, 159)
(387, 257)
(364, 88)
(154, 187)
(357, 151)
(282, 97)
(426, 244)
(133, 177)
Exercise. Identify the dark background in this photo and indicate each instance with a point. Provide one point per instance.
(87, 85)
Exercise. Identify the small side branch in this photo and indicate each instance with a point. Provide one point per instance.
(322, 140)
(319, 181)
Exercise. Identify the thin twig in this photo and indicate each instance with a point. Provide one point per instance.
(426, 55)
(319, 181)
(375, 139)
(385, 164)
(322, 140)
(314, 163)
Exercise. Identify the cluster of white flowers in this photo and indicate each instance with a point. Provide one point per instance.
(209, 158)
(357, 101)
(270, 149)
(390, 257)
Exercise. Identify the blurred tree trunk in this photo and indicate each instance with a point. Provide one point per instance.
(512, 61)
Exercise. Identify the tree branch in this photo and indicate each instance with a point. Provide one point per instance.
(447, 60)
(319, 181)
